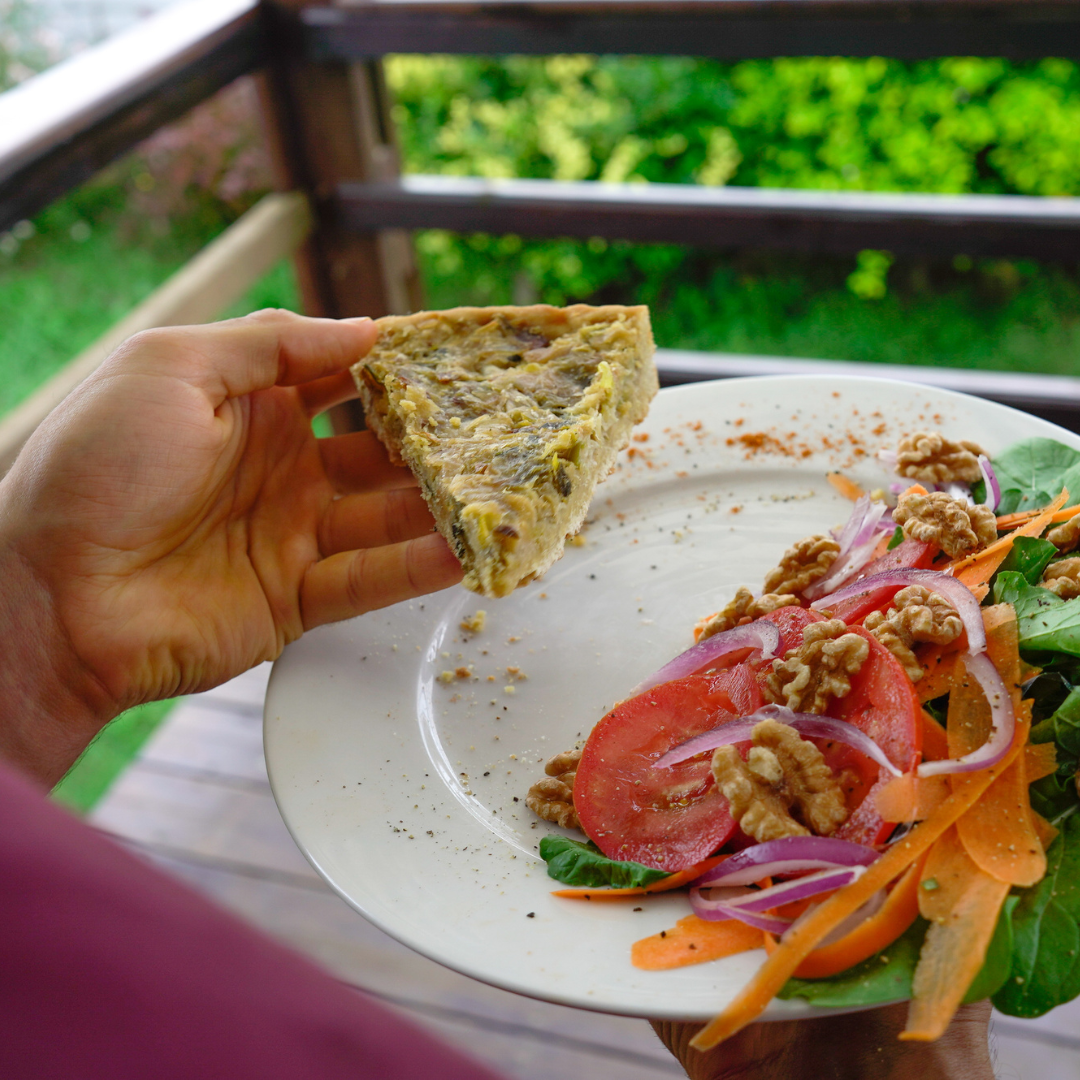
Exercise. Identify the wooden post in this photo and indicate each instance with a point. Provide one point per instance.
(328, 123)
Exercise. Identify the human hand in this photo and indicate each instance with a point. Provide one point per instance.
(174, 522)
(855, 1046)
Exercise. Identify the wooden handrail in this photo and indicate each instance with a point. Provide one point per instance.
(793, 220)
(724, 29)
(59, 128)
(199, 291)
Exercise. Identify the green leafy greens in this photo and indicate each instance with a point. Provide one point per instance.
(587, 867)
(1033, 472)
(1028, 556)
(1045, 970)
(1047, 624)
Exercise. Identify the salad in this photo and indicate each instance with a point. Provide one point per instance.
(869, 767)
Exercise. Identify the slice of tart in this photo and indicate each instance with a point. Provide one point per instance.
(508, 417)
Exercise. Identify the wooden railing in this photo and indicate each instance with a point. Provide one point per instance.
(346, 223)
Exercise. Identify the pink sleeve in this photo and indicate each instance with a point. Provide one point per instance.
(111, 970)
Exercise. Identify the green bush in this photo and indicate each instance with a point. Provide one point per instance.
(955, 125)
(951, 126)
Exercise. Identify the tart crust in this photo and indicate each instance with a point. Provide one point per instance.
(508, 417)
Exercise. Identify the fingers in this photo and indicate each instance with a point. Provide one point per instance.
(323, 394)
(235, 357)
(375, 519)
(353, 582)
(359, 462)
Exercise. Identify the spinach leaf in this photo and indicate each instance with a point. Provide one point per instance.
(1033, 472)
(995, 969)
(1045, 969)
(884, 977)
(1053, 795)
(896, 539)
(1046, 692)
(1029, 556)
(1062, 728)
(587, 867)
(1046, 622)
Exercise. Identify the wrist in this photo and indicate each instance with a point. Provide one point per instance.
(51, 705)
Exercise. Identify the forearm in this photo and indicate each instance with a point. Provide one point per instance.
(860, 1047)
(50, 705)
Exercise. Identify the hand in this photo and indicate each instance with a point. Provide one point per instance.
(855, 1046)
(174, 522)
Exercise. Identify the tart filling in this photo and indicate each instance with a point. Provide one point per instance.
(508, 417)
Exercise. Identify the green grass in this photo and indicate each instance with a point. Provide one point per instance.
(59, 294)
(108, 755)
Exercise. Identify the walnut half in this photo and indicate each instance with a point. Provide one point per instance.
(930, 457)
(782, 773)
(821, 668)
(553, 797)
(938, 518)
(1066, 537)
(917, 615)
(1063, 577)
(802, 564)
(744, 606)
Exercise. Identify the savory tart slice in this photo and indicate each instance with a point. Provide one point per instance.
(508, 417)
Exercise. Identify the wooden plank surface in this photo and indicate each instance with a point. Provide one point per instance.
(724, 217)
(197, 803)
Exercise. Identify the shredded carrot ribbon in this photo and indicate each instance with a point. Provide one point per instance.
(693, 941)
(845, 486)
(1010, 521)
(962, 907)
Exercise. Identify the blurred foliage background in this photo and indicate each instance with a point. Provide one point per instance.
(956, 125)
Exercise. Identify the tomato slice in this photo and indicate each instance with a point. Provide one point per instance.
(664, 818)
(791, 622)
(909, 554)
(882, 702)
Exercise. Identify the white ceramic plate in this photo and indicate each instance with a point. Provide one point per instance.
(407, 794)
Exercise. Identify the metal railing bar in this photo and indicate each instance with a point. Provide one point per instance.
(775, 218)
(59, 128)
(723, 29)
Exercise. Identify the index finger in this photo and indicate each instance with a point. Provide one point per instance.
(232, 358)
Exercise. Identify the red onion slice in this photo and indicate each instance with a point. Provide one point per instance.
(961, 597)
(761, 635)
(993, 488)
(1002, 717)
(718, 911)
(857, 542)
(760, 901)
(957, 489)
(809, 725)
(788, 855)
